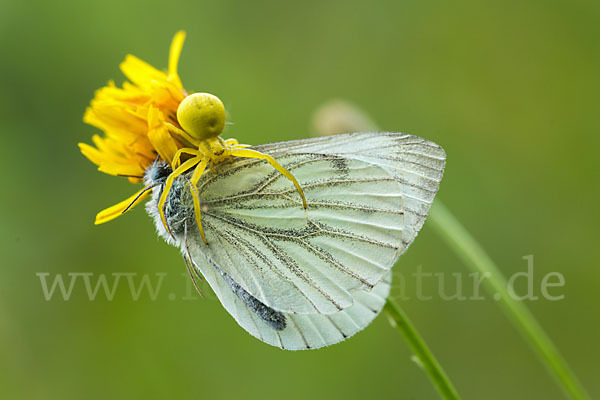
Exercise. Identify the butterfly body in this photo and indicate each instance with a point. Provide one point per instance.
(301, 278)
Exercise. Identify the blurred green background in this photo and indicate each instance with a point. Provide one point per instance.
(510, 89)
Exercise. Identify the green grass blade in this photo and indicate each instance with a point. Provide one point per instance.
(426, 359)
(467, 248)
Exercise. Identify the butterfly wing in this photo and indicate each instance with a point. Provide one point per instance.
(417, 165)
(300, 331)
(367, 194)
(297, 260)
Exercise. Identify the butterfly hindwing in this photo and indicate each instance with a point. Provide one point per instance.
(300, 331)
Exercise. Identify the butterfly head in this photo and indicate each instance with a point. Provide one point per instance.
(157, 173)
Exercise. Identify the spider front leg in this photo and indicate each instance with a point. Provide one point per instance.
(247, 153)
(196, 197)
(169, 183)
(182, 135)
(185, 150)
(233, 144)
(198, 171)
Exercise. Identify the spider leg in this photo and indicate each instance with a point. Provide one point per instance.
(198, 171)
(185, 150)
(211, 166)
(233, 144)
(183, 134)
(169, 182)
(238, 146)
(247, 153)
(196, 196)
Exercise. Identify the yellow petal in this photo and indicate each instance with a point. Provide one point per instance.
(159, 136)
(174, 53)
(110, 160)
(107, 115)
(113, 212)
(133, 118)
(162, 98)
(140, 72)
(108, 146)
(129, 93)
(91, 153)
(121, 168)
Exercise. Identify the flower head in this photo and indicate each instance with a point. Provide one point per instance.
(152, 117)
(133, 121)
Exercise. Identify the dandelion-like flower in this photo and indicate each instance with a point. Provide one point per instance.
(132, 118)
(153, 117)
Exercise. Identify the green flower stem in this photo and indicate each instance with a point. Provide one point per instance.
(473, 255)
(426, 359)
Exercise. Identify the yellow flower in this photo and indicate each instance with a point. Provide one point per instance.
(153, 117)
(133, 120)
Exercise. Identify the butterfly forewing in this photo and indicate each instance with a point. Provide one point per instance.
(416, 163)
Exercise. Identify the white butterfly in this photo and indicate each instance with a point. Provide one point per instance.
(300, 278)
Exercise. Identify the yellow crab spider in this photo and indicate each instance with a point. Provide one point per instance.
(202, 117)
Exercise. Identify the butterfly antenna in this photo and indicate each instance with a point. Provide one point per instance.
(189, 253)
(138, 196)
(130, 176)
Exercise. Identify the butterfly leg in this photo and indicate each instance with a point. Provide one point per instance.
(189, 261)
(247, 153)
(163, 197)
